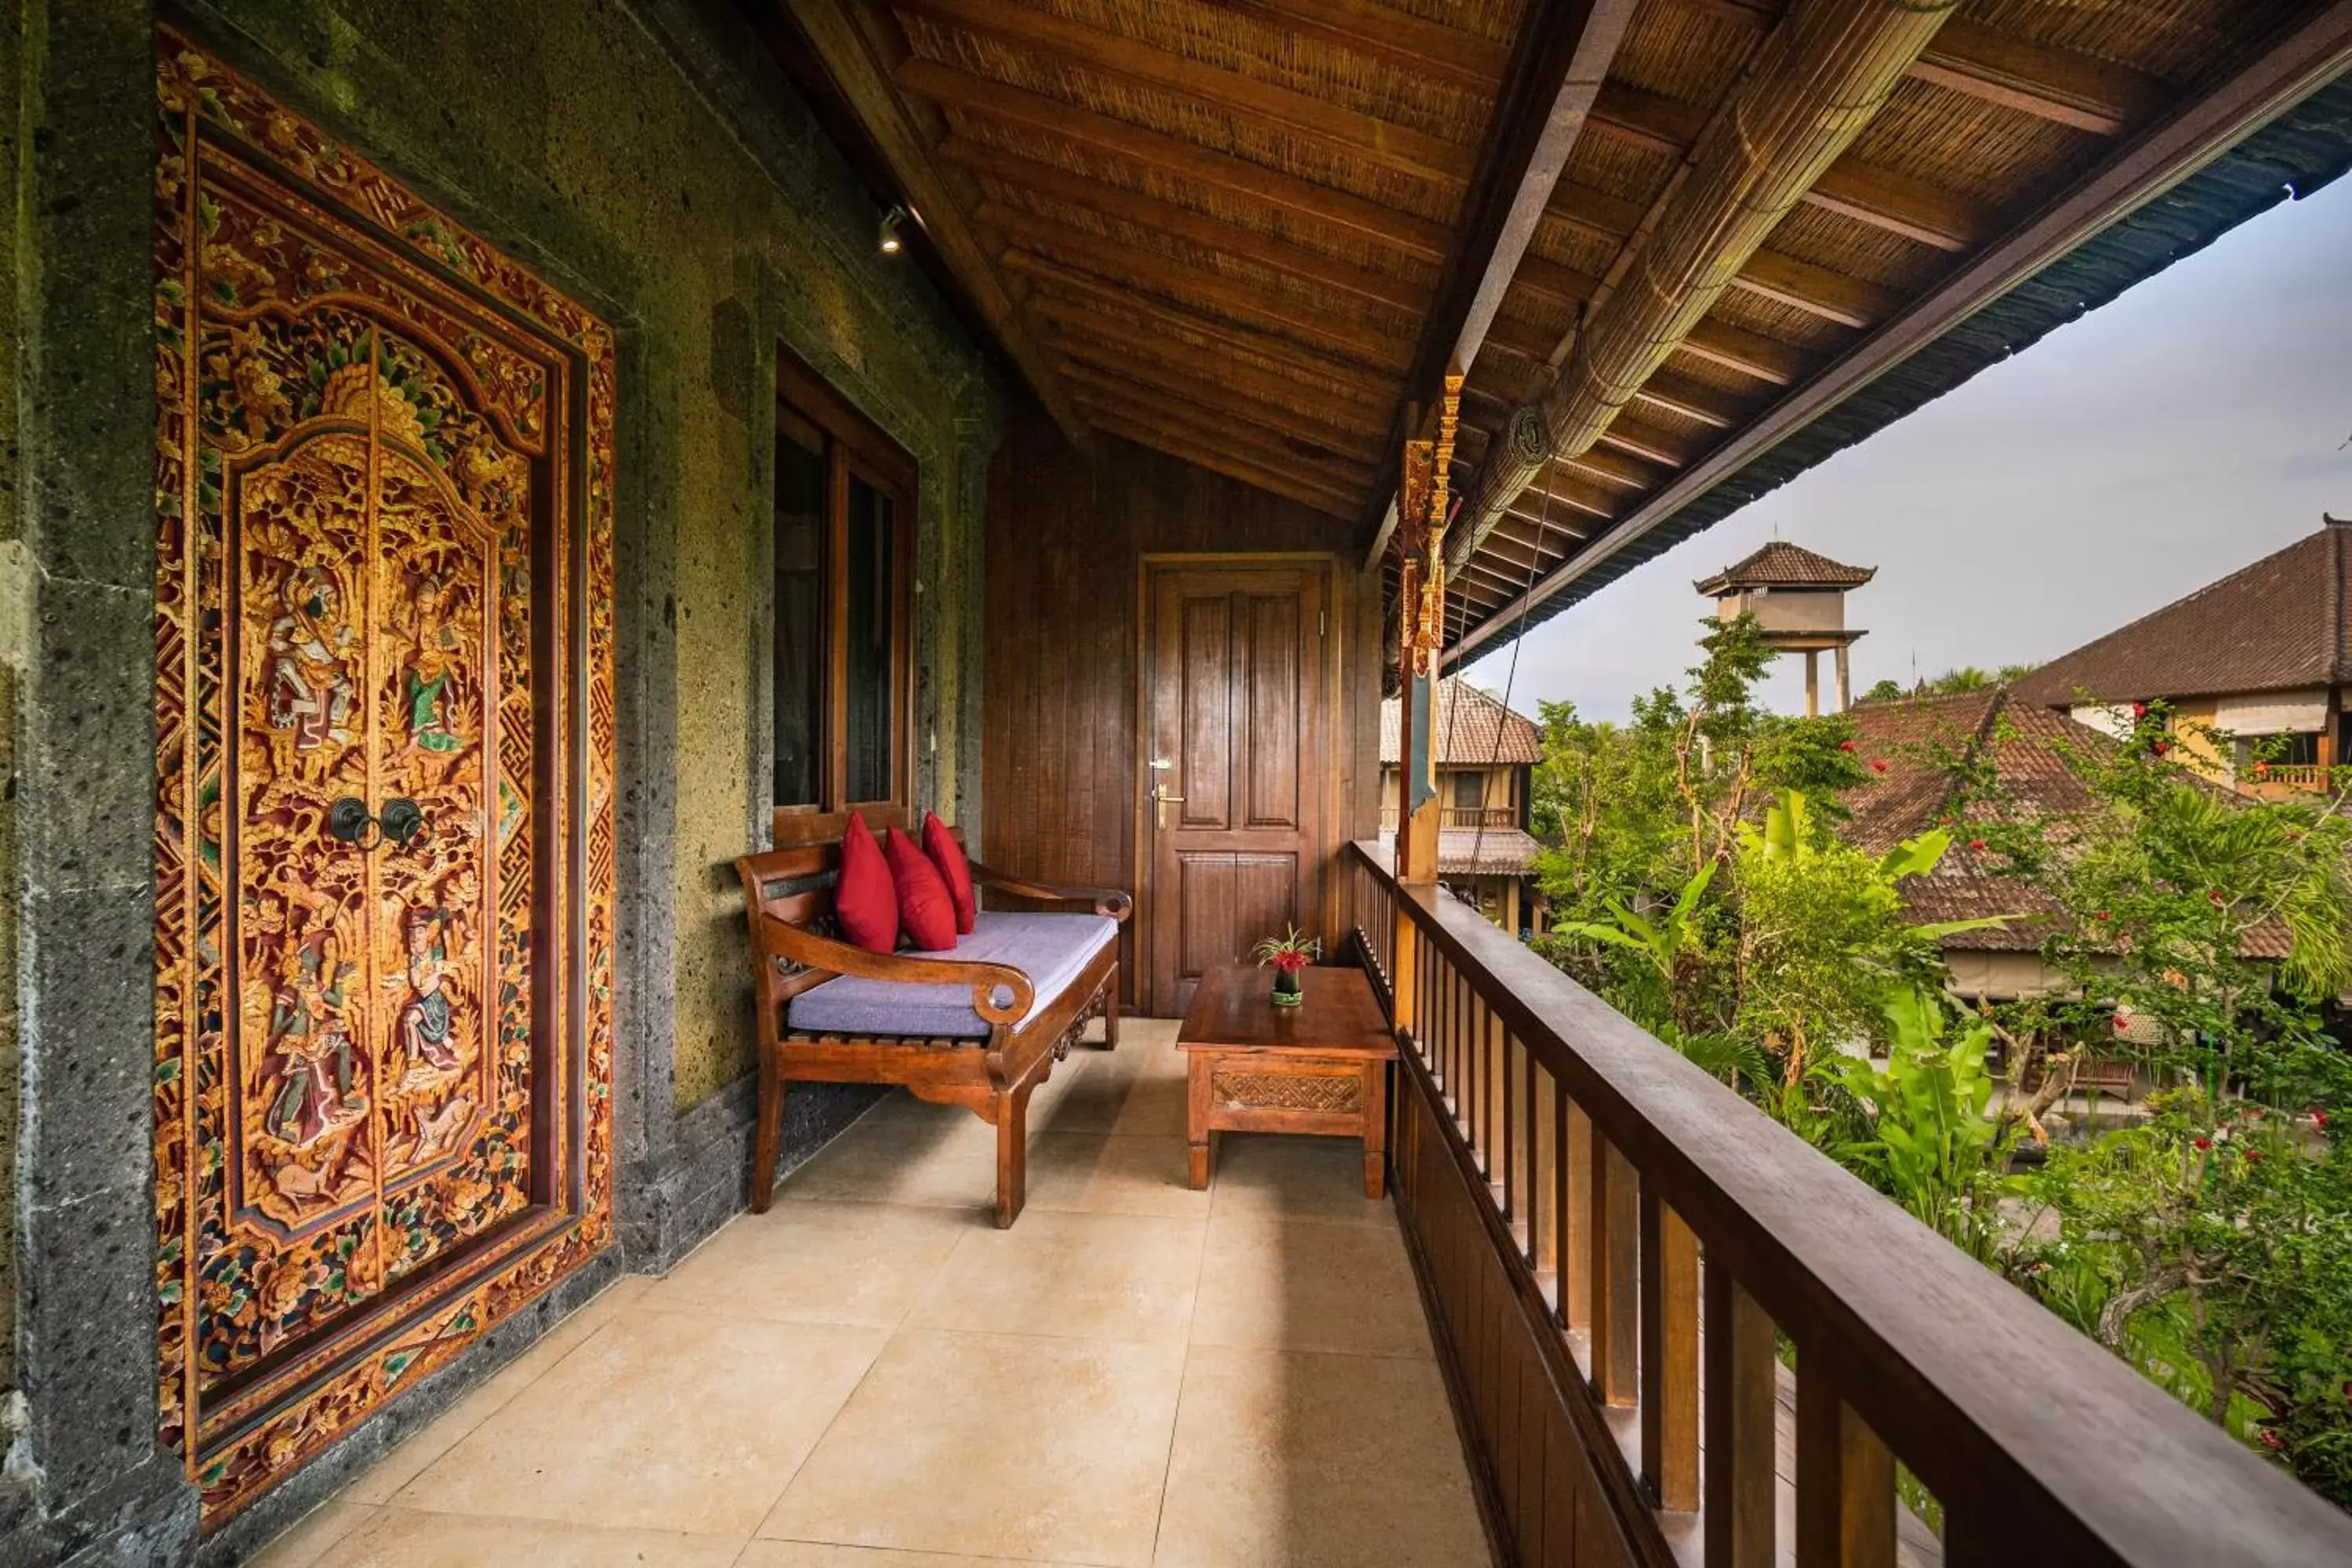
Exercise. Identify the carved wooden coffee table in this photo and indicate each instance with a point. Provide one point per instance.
(1319, 1067)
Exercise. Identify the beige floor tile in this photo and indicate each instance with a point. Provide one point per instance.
(1273, 1175)
(408, 1461)
(816, 1554)
(661, 1421)
(1313, 1460)
(405, 1538)
(1087, 1276)
(310, 1537)
(1283, 1285)
(1100, 1172)
(1000, 1445)
(817, 1262)
(945, 1163)
(1113, 1097)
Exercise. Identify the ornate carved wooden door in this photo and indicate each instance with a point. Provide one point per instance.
(385, 856)
(1237, 697)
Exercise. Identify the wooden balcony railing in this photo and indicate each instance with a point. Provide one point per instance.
(2287, 776)
(1464, 816)
(1580, 1199)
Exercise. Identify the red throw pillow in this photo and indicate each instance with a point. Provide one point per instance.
(954, 869)
(925, 909)
(864, 899)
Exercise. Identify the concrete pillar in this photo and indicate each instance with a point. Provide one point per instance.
(1845, 687)
(1813, 683)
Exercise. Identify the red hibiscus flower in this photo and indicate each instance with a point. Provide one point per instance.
(1975, 844)
(2202, 1143)
(1845, 745)
(2214, 896)
(2101, 915)
(1289, 963)
(2319, 1119)
(2272, 1440)
(2253, 1156)
(2121, 1023)
(1877, 767)
(2139, 710)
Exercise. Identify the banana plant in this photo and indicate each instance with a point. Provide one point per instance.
(1931, 1146)
(1788, 835)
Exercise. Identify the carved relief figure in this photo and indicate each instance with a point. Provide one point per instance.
(310, 1037)
(424, 1027)
(310, 663)
(435, 642)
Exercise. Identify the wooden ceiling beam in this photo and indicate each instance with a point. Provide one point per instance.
(1984, 63)
(1629, 434)
(1214, 234)
(1556, 66)
(1770, 274)
(1289, 486)
(952, 88)
(1183, 400)
(1360, 386)
(1416, 47)
(1718, 343)
(1578, 494)
(834, 35)
(1678, 394)
(1113, 344)
(1196, 287)
(1227, 438)
(1879, 197)
(1303, 115)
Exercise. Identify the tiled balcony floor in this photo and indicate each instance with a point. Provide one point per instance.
(871, 1375)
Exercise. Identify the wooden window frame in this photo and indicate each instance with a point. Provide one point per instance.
(850, 445)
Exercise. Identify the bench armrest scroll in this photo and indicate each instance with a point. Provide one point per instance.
(784, 940)
(1112, 901)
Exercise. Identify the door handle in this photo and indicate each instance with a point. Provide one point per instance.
(1161, 800)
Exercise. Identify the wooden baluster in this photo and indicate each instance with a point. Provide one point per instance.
(1508, 1118)
(1845, 1477)
(1616, 1274)
(1742, 1416)
(1576, 1214)
(1536, 1094)
(1669, 1356)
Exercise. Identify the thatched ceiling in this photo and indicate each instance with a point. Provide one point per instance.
(1250, 233)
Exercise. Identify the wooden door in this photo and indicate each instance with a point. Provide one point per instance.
(384, 867)
(1237, 686)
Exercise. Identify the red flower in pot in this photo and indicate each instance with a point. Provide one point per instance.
(1287, 954)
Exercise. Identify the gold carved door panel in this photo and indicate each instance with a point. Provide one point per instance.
(384, 854)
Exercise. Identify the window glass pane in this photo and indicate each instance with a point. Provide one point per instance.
(800, 622)
(1469, 791)
(872, 608)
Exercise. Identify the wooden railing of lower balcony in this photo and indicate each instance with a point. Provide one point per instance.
(1463, 816)
(1580, 1199)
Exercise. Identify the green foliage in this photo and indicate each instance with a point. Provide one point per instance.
(1883, 692)
(1930, 1145)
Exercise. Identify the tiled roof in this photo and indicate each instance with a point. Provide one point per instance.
(1919, 740)
(2279, 624)
(1479, 851)
(1473, 727)
(1781, 565)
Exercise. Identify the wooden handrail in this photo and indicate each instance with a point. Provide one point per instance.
(2039, 1444)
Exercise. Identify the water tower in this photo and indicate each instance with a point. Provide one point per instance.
(1798, 601)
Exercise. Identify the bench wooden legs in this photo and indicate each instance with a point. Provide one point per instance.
(1012, 1154)
(1110, 1012)
(769, 1136)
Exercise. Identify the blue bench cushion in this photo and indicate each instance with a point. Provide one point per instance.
(1050, 949)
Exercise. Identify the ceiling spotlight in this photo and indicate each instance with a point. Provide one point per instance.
(889, 241)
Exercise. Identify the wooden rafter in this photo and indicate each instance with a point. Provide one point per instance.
(2060, 85)
(1091, 333)
(1138, 412)
(1087, 297)
(834, 34)
(1342, 335)
(1375, 32)
(1303, 115)
(1185, 400)
(1155, 215)
(953, 89)
(1273, 479)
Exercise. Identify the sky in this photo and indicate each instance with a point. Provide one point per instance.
(2194, 424)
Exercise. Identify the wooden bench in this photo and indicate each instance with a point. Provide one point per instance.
(973, 1030)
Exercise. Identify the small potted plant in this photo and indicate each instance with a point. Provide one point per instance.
(1288, 953)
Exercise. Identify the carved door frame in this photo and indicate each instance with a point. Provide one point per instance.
(344, 239)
